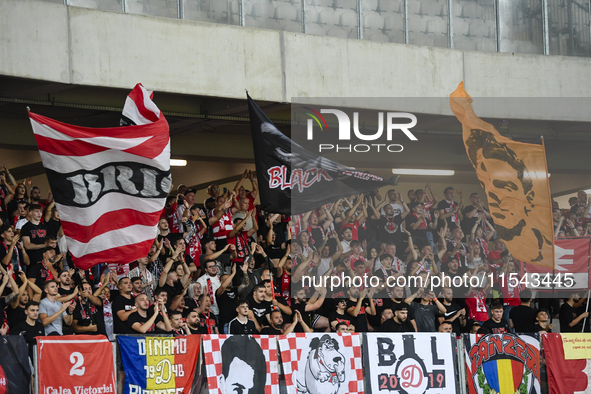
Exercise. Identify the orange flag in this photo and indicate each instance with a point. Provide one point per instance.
(514, 176)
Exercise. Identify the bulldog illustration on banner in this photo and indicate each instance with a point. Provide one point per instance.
(417, 363)
(322, 363)
(503, 363)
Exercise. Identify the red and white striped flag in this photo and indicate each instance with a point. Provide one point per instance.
(109, 185)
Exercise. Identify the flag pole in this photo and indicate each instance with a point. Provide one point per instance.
(586, 310)
(549, 196)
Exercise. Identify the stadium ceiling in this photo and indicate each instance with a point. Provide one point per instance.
(212, 129)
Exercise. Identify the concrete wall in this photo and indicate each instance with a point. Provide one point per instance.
(46, 41)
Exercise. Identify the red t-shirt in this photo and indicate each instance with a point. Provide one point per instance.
(476, 304)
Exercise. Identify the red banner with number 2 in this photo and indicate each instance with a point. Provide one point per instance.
(76, 364)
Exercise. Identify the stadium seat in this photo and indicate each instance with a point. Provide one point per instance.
(370, 5)
(328, 18)
(472, 11)
(378, 36)
(486, 45)
(315, 28)
(437, 26)
(457, 9)
(460, 27)
(465, 43)
(312, 14)
(417, 24)
(296, 27)
(325, 3)
(389, 6)
(337, 32)
(478, 28)
(394, 28)
(422, 39)
(285, 12)
(431, 8)
(349, 22)
(373, 21)
(414, 7)
(219, 11)
(346, 4)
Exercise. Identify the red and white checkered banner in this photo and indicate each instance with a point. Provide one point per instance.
(322, 363)
(241, 364)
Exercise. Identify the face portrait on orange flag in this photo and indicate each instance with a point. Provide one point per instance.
(514, 176)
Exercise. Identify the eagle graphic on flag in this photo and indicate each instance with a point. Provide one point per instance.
(514, 176)
(109, 184)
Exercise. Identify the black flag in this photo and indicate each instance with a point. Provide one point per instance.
(293, 180)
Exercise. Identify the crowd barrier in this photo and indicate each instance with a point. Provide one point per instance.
(302, 363)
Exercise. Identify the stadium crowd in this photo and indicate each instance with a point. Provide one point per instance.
(227, 267)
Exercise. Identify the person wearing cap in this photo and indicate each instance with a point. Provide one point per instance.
(398, 323)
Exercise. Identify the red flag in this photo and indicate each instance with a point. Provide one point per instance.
(564, 376)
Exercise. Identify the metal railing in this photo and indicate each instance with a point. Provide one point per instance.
(551, 27)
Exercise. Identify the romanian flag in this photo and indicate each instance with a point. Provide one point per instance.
(159, 363)
(514, 176)
(503, 375)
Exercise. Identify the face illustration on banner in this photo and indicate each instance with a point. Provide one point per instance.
(325, 367)
(244, 368)
(515, 213)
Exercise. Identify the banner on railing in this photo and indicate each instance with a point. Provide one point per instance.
(75, 364)
(410, 363)
(241, 364)
(159, 364)
(571, 271)
(565, 376)
(15, 373)
(317, 363)
(505, 363)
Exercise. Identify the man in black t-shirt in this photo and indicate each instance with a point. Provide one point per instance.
(358, 307)
(122, 306)
(389, 226)
(34, 234)
(277, 327)
(88, 314)
(496, 324)
(570, 319)
(542, 319)
(241, 323)
(12, 252)
(399, 323)
(65, 281)
(30, 328)
(522, 318)
(473, 212)
(44, 270)
(193, 323)
(259, 308)
(454, 313)
(449, 209)
(140, 321)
